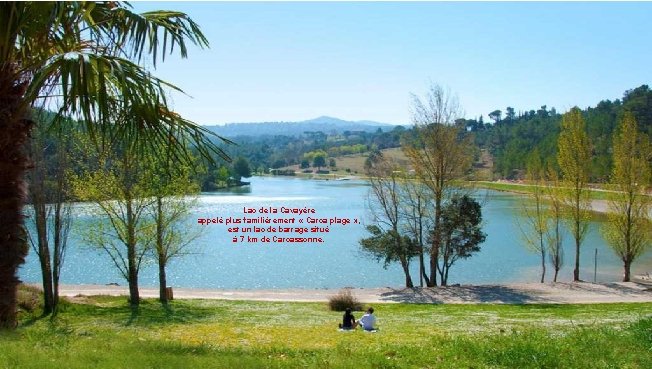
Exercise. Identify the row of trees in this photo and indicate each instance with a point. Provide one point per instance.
(142, 203)
(420, 213)
(81, 59)
(429, 212)
(514, 135)
(629, 227)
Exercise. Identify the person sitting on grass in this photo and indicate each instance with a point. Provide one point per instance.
(368, 321)
(348, 320)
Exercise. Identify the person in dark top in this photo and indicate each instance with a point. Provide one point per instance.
(348, 320)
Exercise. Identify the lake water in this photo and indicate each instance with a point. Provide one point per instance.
(217, 262)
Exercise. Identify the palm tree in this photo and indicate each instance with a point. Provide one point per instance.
(81, 59)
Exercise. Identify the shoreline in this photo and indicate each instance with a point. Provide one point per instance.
(512, 293)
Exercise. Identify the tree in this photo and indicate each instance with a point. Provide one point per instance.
(173, 190)
(418, 213)
(495, 115)
(241, 168)
(510, 114)
(120, 188)
(82, 53)
(629, 230)
(51, 209)
(440, 154)
(385, 203)
(461, 233)
(319, 160)
(574, 158)
(390, 246)
(555, 211)
(534, 224)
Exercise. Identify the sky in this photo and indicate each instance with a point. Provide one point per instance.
(293, 61)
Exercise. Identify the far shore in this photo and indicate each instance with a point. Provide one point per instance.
(514, 293)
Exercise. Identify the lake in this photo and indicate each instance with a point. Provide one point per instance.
(218, 262)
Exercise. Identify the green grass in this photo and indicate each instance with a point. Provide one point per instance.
(521, 188)
(102, 332)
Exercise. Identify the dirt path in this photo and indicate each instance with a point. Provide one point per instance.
(524, 293)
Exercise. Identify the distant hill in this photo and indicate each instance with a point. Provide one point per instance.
(324, 124)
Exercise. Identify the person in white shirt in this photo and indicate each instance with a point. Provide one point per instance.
(368, 320)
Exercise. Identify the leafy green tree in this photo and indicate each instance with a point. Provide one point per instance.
(174, 193)
(390, 246)
(510, 114)
(629, 230)
(241, 169)
(319, 160)
(574, 158)
(495, 115)
(120, 189)
(461, 233)
(83, 54)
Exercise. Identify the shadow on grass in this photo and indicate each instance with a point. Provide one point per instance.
(148, 313)
(32, 319)
(462, 294)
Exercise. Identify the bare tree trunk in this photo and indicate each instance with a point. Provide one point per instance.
(578, 242)
(39, 198)
(543, 263)
(14, 133)
(406, 269)
(62, 221)
(162, 282)
(436, 243)
(160, 250)
(40, 213)
(134, 297)
(422, 270)
(628, 265)
(576, 271)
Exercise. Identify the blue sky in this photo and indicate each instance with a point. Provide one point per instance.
(361, 61)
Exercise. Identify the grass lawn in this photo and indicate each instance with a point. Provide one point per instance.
(102, 332)
(521, 188)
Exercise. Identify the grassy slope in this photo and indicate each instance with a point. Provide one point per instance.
(103, 333)
(523, 188)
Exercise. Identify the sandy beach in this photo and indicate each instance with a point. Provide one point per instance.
(520, 293)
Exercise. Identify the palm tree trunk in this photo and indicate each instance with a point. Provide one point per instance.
(14, 133)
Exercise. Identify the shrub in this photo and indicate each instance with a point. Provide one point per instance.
(29, 298)
(344, 299)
